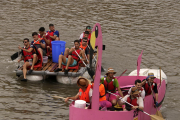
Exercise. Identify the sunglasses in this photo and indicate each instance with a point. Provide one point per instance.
(88, 27)
(24, 42)
(84, 41)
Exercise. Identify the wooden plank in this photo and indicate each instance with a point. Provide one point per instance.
(53, 68)
(70, 70)
(47, 66)
(75, 70)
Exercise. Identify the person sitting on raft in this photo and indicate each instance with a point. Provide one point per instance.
(149, 85)
(133, 99)
(86, 35)
(88, 28)
(85, 91)
(44, 36)
(54, 34)
(72, 57)
(140, 88)
(37, 44)
(111, 84)
(84, 46)
(27, 56)
(103, 103)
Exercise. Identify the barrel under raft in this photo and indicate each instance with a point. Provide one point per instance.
(48, 70)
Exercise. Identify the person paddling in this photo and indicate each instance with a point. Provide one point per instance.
(150, 86)
(133, 99)
(84, 46)
(111, 84)
(30, 58)
(37, 44)
(85, 91)
(140, 88)
(72, 57)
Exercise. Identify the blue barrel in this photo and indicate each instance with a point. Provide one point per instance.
(58, 47)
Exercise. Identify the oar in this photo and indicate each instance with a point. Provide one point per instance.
(15, 55)
(121, 74)
(65, 98)
(91, 72)
(153, 117)
(158, 112)
(102, 69)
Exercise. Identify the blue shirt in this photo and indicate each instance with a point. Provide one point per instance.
(56, 33)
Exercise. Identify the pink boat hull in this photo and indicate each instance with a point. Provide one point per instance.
(90, 114)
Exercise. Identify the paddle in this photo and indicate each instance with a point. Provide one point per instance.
(153, 117)
(15, 55)
(160, 74)
(158, 112)
(65, 98)
(102, 69)
(91, 72)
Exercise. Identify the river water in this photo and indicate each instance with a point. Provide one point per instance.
(127, 26)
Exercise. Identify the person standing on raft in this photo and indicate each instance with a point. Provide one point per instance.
(150, 86)
(111, 84)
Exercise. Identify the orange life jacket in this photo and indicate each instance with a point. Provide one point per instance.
(102, 92)
(37, 42)
(83, 47)
(84, 95)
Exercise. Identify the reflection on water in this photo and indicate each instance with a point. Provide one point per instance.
(127, 27)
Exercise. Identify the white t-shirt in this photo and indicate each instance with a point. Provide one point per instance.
(81, 36)
(142, 93)
(139, 100)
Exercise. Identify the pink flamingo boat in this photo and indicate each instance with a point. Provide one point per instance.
(124, 81)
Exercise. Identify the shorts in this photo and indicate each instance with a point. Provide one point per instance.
(111, 97)
(105, 103)
(74, 63)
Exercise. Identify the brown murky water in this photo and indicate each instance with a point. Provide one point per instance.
(127, 27)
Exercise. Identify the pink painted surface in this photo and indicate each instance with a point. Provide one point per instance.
(139, 63)
(95, 114)
(98, 44)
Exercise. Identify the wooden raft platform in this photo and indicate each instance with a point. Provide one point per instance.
(50, 66)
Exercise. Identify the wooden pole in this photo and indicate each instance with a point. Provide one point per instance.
(160, 74)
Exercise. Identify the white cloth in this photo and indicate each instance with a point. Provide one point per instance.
(81, 36)
(139, 100)
(142, 93)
